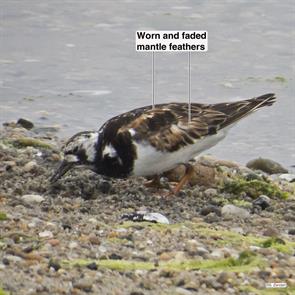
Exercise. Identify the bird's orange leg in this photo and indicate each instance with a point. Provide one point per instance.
(185, 178)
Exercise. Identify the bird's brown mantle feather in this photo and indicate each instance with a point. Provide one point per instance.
(166, 127)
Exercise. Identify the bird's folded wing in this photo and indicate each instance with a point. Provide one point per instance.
(166, 127)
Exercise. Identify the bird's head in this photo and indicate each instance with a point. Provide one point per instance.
(80, 150)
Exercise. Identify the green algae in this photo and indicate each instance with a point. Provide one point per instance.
(278, 244)
(3, 216)
(279, 79)
(2, 292)
(229, 238)
(118, 241)
(219, 237)
(245, 262)
(254, 188)
(276, 79)
(268, 291)
(27, 141)
(242, 203)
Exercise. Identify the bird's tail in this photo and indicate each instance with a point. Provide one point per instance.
(240, 109)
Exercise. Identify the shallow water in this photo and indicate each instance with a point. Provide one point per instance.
(73, 64)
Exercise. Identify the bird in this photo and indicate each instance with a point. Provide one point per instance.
(151, 140)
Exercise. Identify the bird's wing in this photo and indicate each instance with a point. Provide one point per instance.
(166, 127)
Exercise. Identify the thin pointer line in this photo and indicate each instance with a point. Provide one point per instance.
(153, 79)
(189, 87)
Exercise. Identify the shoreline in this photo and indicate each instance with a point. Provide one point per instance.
(231, 231)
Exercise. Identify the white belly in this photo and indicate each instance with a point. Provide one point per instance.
(151, 161)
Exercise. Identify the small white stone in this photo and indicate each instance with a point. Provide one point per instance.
(46, 234)
(156, 217)
(254, 248)
(32, 224)
(92, 220)
(217, 254)
(102, 249)
(73, 245)
(182, 291)
(50, 224)
(237, 230)
(287, 176)
(291, 260)
(32, 199)
(140, 272)
(201, 251)
(30, 166)
(232, 211)
(210, 192)
(121, 230)
(149, 242)
(13, 258)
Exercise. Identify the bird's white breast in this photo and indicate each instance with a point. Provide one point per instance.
(151, 161)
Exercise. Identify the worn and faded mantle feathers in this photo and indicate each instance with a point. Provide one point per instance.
(148, 141)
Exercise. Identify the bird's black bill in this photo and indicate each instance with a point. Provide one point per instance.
(60, 171)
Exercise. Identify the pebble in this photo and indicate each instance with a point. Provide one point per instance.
(31, 199)
(30, 166)
(210, 192)
(25, 123)
(289, 217)
(217, 254)
(201, 251)
(11, 258)
(191, 246)
(266, 165)
(73, 245)
(165, 256)
(232, 211)
(9, 164)
(54, 264)
(46, 234)
(223, 278)
(105, 187)
(92, 266)
(291, 261)
(270, 232)
(192, 286)
(254, 248)
(204, 175)
(182, 291)
(209, 209)
(93, 239)
(93, 220)
(53, 242)
(287, 176)
(262, 201)
(238, 230)
(212, 218)
(84, 284)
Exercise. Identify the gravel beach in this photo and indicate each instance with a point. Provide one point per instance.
(230, 231)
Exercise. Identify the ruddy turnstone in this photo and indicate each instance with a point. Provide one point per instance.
(149, 141)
